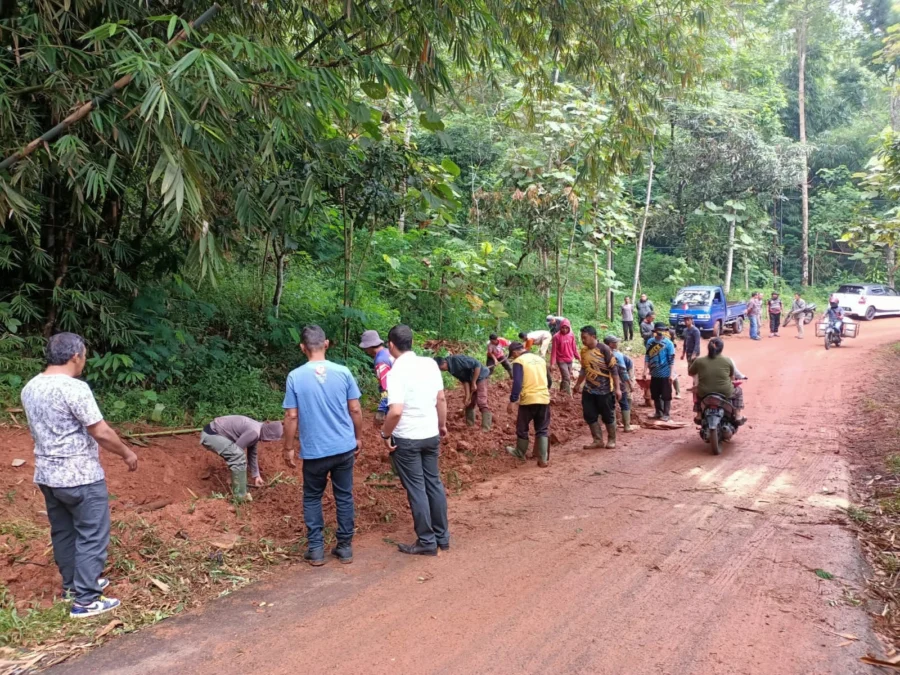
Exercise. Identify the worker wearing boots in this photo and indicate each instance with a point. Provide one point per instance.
(234, 439)
(599, 385)
(626, 378)
(564, 352)
(660, 361)
(531, 391)
(474, 378)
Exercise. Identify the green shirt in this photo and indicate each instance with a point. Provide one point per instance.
(715, 376)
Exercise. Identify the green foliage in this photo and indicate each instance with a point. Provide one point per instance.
(464, 169)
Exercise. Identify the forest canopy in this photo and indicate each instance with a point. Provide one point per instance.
(460, 166)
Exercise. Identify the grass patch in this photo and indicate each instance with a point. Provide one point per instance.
(30, 625)
(23, 530)
(893, 464)
(857, 514)
(164, 577)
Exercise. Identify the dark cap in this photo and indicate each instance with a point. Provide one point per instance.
(660, 326)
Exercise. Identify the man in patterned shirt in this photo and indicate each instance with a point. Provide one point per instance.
(67, 427)
(599, 386)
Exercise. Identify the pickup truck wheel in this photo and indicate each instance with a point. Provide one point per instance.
(717, 329)
(739, 325)
(870, 313)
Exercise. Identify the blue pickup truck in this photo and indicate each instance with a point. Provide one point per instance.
(712, 313)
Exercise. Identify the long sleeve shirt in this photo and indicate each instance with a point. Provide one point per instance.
(660, 358)
(692, 341)
(646, 330)
(564, 348)
(530, 385)
(644, 307)
(244, 433)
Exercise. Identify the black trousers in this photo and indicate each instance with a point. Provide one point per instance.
(774, 322)
(416, 462)
(628, 330)
(598, 406)
(660, 389)
(537, 413)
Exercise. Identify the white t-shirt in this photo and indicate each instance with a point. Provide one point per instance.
(415, 382)
(59, 409)
(540, 336)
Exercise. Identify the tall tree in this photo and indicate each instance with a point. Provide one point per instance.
(802, 45)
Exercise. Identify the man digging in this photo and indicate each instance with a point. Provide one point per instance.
(474, 378)
(234, 439)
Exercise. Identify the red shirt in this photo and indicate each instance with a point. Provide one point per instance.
(496, 350)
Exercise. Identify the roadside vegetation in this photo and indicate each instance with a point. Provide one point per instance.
(875, 515)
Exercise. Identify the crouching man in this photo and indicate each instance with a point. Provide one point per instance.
(234, 439)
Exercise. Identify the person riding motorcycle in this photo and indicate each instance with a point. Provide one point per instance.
(834, 314)
(715, 375)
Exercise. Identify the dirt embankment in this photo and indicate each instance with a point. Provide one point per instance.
(172, 507)
(874, 443)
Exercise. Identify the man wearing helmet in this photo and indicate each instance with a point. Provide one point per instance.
(834, 313)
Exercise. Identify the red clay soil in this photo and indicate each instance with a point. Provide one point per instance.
(656, 557)
(177, 474)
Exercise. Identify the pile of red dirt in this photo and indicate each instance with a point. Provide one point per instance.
(170, 493)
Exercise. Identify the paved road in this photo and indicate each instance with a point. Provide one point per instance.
(653, 558)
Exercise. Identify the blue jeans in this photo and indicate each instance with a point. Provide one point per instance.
(79, 530)
(754, 326)
(315, 479)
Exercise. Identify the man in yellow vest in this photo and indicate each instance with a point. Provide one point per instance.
(531, 392)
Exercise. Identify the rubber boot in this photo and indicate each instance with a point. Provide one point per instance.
(597, 435)
(470, 417)
(567, 388)
(626, 420)
(666, 409)
(611, 436)
(239, 485)
(487, 419)
(677, 385)
(520, 450)
(657, 409)
(542, 450)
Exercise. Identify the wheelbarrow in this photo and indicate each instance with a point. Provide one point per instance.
(644, 384)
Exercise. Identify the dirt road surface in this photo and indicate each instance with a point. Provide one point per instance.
(656, 557)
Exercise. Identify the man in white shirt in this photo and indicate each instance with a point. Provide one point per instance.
(412, 431)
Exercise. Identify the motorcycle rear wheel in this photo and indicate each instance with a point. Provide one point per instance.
(714, 441)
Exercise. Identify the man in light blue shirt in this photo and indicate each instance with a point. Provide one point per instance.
(323, 398)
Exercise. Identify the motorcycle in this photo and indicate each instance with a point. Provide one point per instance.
(806, 315)
(833, 333)
(718, 420)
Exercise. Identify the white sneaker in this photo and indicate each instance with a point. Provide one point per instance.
(100, 606)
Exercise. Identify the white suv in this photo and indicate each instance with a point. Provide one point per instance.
(868, 300)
